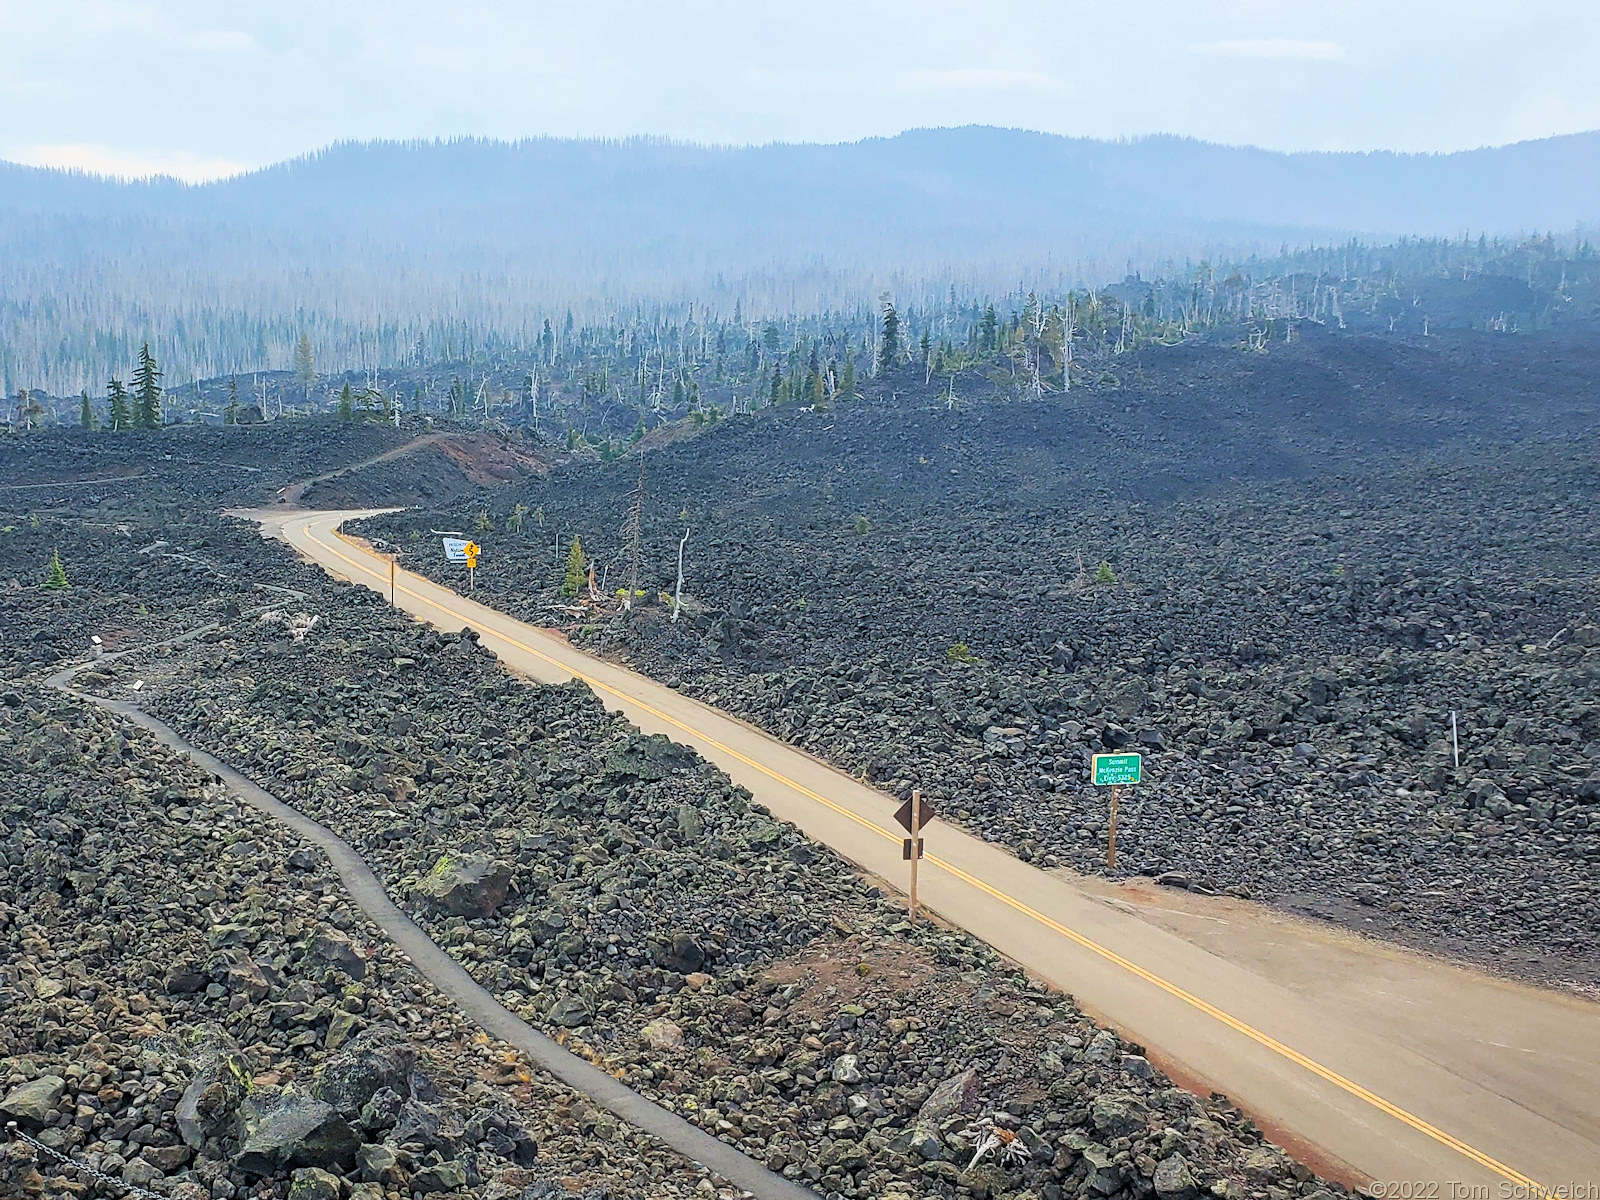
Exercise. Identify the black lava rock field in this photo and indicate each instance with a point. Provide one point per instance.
(624, 894)
(189, 1004)
(189, 996)
(1303, 583)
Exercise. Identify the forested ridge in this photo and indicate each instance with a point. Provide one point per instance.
(385, 254)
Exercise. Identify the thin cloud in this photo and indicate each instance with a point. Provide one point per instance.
(103, 160)
(1282, 49)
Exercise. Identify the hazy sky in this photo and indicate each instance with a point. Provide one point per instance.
(204, 88)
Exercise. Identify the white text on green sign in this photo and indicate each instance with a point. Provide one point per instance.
(1112, 769)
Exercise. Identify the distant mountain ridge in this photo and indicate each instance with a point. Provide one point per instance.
(365, 244)
(1549, 184)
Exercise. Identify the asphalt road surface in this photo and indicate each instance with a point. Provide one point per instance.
(1370, 1063)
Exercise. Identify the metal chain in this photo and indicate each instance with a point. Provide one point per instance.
(67, 1160)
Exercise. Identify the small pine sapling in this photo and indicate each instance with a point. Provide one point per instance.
(576, 577)
(55, 577)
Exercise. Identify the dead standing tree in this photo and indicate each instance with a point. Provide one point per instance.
(1068, 326)
(677, 592)
(1035, 322)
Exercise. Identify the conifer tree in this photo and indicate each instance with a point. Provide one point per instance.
(573, 583)
(889, 343)
(85, 413)
(121, 416)
(55, 576)
(147, 391)
(347, 405)
(231, 416)
(305, 366)
(847, 378)
(988, 329)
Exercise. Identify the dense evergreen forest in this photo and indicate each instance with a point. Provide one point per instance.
(391, 258)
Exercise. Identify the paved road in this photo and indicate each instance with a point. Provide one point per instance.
(1373, 1064)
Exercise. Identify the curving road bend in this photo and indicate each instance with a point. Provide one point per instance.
(1370, 1063)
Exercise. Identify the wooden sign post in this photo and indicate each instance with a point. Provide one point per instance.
(1111, 841)
(916, 847)
(913, 816)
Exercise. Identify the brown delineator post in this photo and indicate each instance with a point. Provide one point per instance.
(1111, 845)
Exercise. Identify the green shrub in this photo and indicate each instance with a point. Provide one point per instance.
(960, 653)
(1103, 574)
(863, 526)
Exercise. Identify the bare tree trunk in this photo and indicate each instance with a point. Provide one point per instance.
(677, 595)
(1069, 331)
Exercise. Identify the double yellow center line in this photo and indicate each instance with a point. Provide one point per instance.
(1172, 989)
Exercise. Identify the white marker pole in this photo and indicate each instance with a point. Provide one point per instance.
(1455, 741)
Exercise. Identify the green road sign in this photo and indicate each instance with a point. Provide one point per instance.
(1112, 769)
